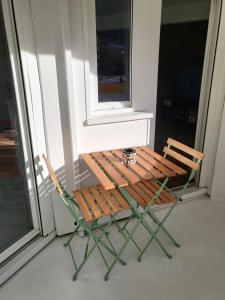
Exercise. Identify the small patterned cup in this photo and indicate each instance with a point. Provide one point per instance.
(129, 156)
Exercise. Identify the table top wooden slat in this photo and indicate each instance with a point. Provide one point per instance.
(102, 177)
(149, 167)
(165, 161)
(107, 166)
(135, 167)
(155, 163)
(111, 171)
(125, 171)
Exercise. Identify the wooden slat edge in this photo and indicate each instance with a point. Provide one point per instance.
(185, 148)
(113, 173)
(104, 180)
(125, 171)
(110, 199)
(143, 173)
(83, 206)
(91, 202)
(137, 198)
(120, 199)
(100, 200)
(181, 158)
(165, 161)
(160, 167)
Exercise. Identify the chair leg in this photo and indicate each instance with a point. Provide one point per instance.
(83, 262)
(121, 251)
(121, 230)
(87, 245)
(155, 233)
(103, 257)
(127, 222)
(158, 222)
(140, 218)
(71, 236)
(153, 237)
(73, 258)
(97, 241)
(112, 250)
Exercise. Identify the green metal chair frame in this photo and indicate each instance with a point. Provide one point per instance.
(89, 228)
(147, 211)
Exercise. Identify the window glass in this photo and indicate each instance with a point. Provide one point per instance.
(113, 29)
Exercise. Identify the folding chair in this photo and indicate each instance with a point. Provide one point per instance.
(151, 193)
(86, 207)
(161, 193)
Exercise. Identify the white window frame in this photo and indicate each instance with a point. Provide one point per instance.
(90, 65)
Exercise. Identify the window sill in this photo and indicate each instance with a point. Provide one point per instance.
(121, 117)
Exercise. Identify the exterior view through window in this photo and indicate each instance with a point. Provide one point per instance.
(113, 29)
(15, 212)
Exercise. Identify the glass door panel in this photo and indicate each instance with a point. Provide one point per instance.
(15, 210)
(184, 29)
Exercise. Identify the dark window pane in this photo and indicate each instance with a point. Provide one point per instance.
(113, 27)
(15, 212)
(181, 57)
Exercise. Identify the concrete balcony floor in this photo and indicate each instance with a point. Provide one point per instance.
(197, 270)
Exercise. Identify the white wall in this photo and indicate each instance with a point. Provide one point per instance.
(218, 187)
(48, 34)
(117, 134)
(55, 69)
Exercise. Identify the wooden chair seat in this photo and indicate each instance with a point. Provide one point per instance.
(144, 191)
(96, 202)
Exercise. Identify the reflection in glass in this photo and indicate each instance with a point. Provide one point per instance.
(15, 213)
(113, 28)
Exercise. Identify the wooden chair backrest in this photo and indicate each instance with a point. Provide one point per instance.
(180, 157)
(52, 175)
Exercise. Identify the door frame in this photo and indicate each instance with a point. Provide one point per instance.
(202, 178)
(21, 44)
(25, 134)
(206, 84)
(22, 18)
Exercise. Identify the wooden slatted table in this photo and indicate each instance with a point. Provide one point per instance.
(108, 168)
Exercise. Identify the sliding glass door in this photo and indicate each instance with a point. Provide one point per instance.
(186, 56)
(18, 209)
